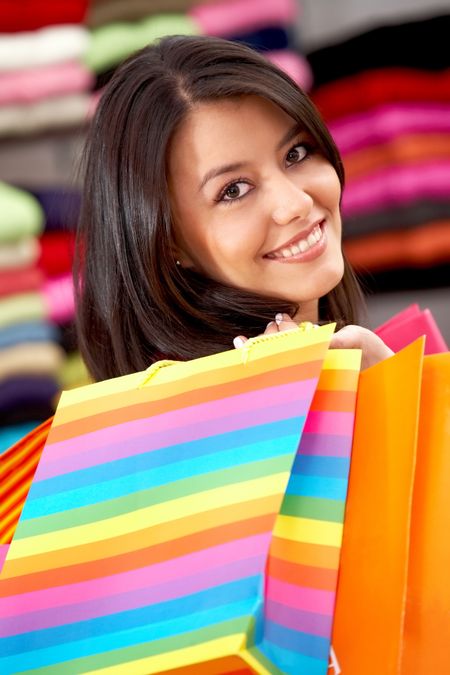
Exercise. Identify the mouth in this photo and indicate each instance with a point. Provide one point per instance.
(300, 245)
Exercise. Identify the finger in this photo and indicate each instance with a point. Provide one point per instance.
(239, 341)
(271, 328)
(342, 339)
(284, 322)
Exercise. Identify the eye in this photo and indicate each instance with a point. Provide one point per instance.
(234, 191)
(297, 153)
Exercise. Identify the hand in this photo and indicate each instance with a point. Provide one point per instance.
(349, 337)
(282, 322)
(357, 337)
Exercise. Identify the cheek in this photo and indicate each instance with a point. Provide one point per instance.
(235, 236)
(333, 190)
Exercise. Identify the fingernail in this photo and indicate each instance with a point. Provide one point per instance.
(238, 342)
(278, 318)
(270, 324)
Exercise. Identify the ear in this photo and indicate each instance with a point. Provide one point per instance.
(182, 258)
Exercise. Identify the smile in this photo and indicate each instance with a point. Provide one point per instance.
(312, 243)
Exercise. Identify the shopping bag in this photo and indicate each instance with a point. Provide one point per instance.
(303, 562)
(17, 468)
(410, 324)
(427, 610)
(159, 503)
(393, 601)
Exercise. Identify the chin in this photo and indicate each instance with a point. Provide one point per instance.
(324, 282)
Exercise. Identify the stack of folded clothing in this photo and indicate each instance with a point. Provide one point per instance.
(30, 353)
(45, 105)
(385, 94)
(38, 353)
(119, 28)
(263, 24)
(43, 81)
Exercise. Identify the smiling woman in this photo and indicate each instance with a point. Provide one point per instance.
(268, 223)
(211, 204)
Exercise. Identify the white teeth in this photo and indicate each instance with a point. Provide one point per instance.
(303, 245)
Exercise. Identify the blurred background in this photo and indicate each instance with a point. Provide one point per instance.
(378, 72)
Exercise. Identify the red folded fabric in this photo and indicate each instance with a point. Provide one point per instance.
(421, 247)
(386, 85)
(26, 15)
(56, 252)
(20, 280)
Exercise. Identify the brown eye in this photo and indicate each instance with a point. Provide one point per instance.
(232, 191)
(296, 154)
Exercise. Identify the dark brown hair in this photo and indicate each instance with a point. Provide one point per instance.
(134, 304)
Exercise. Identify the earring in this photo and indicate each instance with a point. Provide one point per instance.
(177, 262)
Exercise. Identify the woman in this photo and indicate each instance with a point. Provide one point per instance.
(211, 208)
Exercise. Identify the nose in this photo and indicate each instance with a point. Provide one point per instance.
(290, 201)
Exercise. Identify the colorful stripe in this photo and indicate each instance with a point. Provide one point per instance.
(303, 561)
(176, 525)
(17, 469)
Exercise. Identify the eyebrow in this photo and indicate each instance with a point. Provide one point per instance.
(218, 171)
(292, 133)
(228, 168)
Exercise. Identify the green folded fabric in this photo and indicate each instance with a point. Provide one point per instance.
(112, 43)
(73, 372)
(22, 307)
(21, 214)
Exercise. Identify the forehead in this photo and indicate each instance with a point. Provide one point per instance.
(222, 128)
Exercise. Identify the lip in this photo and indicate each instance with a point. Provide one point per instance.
(312, 253)
(298, 237)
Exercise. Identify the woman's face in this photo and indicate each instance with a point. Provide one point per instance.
(254, 205)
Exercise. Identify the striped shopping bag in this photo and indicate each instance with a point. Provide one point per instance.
(188, 519)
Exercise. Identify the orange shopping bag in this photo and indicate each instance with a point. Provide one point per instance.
(393, 602)
(426, 640)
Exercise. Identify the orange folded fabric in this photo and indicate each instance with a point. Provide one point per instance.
(422, 246)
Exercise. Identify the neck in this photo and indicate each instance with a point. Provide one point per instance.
(309, 311)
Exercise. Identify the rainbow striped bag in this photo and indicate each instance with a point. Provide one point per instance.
(188, 519)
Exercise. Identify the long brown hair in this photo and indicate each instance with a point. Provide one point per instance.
(134, 304)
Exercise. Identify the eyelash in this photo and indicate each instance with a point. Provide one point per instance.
(309, 150)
